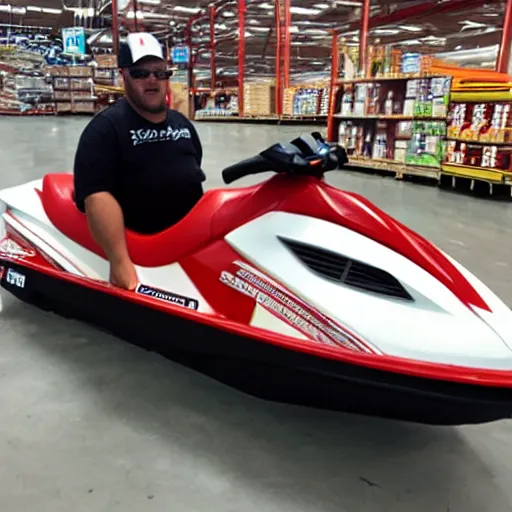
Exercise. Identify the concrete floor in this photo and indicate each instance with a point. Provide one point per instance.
(89, 423)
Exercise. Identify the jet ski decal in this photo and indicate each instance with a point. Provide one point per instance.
(15, 278)
(173, 298)
(291, 309)
(10, 249)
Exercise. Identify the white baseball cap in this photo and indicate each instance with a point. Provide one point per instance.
(137, 46)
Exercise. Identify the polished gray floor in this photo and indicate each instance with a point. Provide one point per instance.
(89, 423)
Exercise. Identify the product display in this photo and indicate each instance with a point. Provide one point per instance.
(217, 103)
(304, 101)
(259, 99)
(37, 77)
(479, 133)
(401, 120)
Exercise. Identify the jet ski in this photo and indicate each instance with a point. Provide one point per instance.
(290, 290)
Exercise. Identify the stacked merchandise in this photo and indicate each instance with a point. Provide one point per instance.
(108, 85)
(36, 77)
(304, 101)
(23, 88)
(480, 136)
(259, 100)
(324, 101)
(26, 94)
(233, 103)
(288, 96)
(223, 103)
(74, 89)
(400, 120)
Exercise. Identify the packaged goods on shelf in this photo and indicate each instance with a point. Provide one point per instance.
(401, 121)
(480, 136)
(217, 103)
(481, 122)
(306, 101)
(233, 103)
(259, 99)
(25, 93)
(106, 60)
(289, 94)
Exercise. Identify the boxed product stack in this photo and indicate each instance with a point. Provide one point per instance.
(259, 100)
(27, 94)
(62, 93)
(306, 101)
(233, 103)
(179, 93)
(480, 135)
(289, 94)
(324, 101)
(82, 90)
(73, 89)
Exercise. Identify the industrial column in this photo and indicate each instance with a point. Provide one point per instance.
(363, 38)
(212, 47)
(241, 56)
(115, 27)
(502, 62)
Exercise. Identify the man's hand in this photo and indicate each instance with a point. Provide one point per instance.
(123, 275)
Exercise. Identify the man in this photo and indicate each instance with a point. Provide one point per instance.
(138, 163)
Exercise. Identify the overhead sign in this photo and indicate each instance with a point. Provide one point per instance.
(73, 40)
(180, 54)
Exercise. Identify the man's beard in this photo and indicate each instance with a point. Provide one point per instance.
(139, 103)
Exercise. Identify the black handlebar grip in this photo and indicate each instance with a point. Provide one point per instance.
(253, 165)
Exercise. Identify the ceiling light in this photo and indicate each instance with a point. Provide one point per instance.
(411, 28)
(471, 24)
(150, 2)
(51, 11)
(314, 31)
(304, 10)
(266, 6)
(386, 31)
(322, 6)
(192, 10)
(228, 14)
(130, 15)
(33, 8)
(349, 3)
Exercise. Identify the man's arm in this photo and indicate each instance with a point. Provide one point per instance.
(95, 177)
(106, 222)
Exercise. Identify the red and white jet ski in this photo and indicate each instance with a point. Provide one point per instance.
(290, 290)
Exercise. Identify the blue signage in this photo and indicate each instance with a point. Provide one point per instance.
(180, 54)
(73, 40)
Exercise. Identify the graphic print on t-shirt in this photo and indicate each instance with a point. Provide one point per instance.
(145, 135)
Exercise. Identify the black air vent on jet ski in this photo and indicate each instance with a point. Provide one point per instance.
(344, 270)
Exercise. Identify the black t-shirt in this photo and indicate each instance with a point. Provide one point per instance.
(153, 170)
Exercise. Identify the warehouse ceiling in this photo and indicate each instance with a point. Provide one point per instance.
(473, 25)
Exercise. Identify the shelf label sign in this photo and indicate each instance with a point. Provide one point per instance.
(73, 39)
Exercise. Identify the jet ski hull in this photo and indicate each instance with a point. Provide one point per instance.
(264, 370)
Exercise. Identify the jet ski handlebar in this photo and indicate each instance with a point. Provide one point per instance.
(305, 155)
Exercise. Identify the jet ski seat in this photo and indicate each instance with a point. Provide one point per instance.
(196, 230)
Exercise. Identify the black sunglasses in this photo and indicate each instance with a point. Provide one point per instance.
(141, 74)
